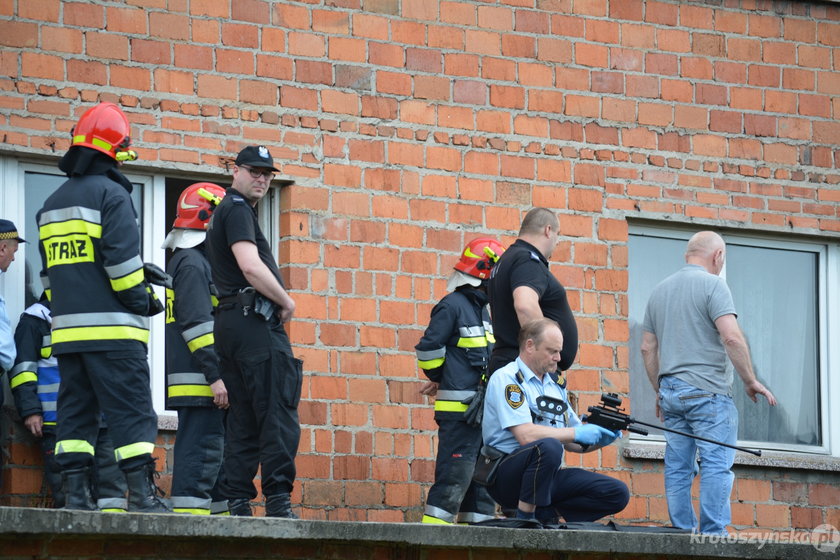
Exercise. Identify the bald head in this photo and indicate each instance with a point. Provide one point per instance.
(707, 249)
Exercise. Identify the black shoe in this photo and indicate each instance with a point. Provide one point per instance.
(279, 505)
(143, 494)
(241, 507)
(77, 489)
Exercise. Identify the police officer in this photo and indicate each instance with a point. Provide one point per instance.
(522, 289)
(527, 425)
(34, 381)
(101, 301)
(454, 353)
(262, 376)
(193, 384)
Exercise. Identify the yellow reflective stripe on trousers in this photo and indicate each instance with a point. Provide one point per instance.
(435, 520)
(134, 450)
(200, 342)
(450, 406)
(192, 511)
(73, 446)
(190, 391)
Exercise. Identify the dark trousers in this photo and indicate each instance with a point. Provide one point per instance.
(113, 383)
(109, 483)
(533, 474)
(263, 380)
(454, 496)
(199, 445)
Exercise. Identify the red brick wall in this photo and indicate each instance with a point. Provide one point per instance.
(412, 126)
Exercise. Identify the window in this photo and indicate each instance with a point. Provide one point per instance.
(25, 186)
(782, 289)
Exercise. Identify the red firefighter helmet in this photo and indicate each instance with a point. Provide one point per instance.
(105, 128)
(196, 204)
(479, 256)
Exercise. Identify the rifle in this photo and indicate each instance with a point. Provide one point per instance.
(611, 416)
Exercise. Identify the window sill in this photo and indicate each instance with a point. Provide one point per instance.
(768, 459)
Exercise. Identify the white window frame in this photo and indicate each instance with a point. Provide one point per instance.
(828, 272)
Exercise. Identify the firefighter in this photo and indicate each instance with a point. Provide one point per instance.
(101, 304)
(454, 353)
(194, 386)
(34, 380)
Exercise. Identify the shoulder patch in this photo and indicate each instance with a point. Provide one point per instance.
(237, 199)
(513, 396)
(534, 256)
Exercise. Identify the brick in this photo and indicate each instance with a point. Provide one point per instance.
(592, 55)
(423, 60)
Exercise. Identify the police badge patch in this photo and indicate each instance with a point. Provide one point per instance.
(513, 396)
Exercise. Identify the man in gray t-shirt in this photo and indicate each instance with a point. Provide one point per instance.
(690, 327)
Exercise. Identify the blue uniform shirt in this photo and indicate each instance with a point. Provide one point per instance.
(511, 400)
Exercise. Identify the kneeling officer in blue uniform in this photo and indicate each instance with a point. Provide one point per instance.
(528, 424)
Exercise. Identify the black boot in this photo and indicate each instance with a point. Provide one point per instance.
(279, 505)
(143, 493)
(240, 507)
(77, 487)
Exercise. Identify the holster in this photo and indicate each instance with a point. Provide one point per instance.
(487, 465)
(264, 307)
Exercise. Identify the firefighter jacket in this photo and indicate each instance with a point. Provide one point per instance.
(92, 270)
(455, 349)
(191, 361)
(34, 379)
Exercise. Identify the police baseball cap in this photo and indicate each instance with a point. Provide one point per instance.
(9, 231)
(256, 156)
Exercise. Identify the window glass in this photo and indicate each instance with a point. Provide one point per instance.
(775, 288)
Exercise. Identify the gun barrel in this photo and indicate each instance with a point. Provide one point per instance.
(756, 452)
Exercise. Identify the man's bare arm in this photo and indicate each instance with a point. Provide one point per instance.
(739, 352)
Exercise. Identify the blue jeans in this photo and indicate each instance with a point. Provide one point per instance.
(696, 411)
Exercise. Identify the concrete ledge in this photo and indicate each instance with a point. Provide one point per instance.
(38, 533)
(768, 459)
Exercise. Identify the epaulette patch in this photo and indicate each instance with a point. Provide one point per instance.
(237, 199)
(534, 256)
(513, 396)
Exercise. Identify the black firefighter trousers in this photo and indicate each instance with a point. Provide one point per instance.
(114, 383)
(263, 380)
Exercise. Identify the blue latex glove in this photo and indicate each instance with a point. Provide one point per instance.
(608, 438)
(592, 434)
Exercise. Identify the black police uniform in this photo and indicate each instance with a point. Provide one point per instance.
(191, 366)
(454, 352)
(262, 376)
(524, 265)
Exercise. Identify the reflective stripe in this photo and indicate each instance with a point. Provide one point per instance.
(23, 366)
(454, 395)
(99, 319)
(191, 511)
(471, 332)
(70, 227)
(478, 342)
(199, 336)
(45, 281)
(124, 268)
(191, 503)
(112, 505)
(21, 378)
(431, 359)
(101, 333)
(70, 213)
(46, 346)
(127, 282)
(490, 338)
(450, 406)
(190, 391)
(472, 517)
(73, 446)
(201, 342)
(438, 515)
(49, 388)
(432, 364)
(49, 406)
(186, 379)
(134, 450)
(219, 508)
